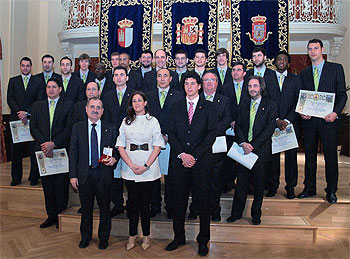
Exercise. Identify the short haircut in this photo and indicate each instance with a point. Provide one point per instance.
(93, 98)
(237, 63)
(115, 54)
(101, 64)
(84, 56)
(257, 49)
(282, 52)
(25, 59)
(120, 68)
(97, 85)
(200, 51)
(66, 57)
(48, 56)
(155, 53)
(163, 69)
(222, 51)
(192, 74)
(56, 80)
(210, 72)
(315, 41)
(181, 51)
(147, 51)
(261, 83)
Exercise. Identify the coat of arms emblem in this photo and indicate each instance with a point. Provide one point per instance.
(125, 33)
(259, 30)
(189, 33)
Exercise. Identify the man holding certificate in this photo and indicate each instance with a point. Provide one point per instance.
(322, 76)
(254, 127)
(92, 140)
(51, 125)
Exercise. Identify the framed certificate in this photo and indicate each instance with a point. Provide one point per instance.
(315, 104)
(58, 164)
(20, 132)
(283, 140)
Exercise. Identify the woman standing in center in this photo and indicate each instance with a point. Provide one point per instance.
(139, 144)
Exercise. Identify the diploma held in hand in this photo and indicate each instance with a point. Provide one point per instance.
(20, 132)
(237, 153)
(315, 104)
(283, 140)
(58, 164)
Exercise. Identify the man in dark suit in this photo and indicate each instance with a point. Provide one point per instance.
(84, 73)
(160, 102)
(47, 63)
(134, 78)
(23, 90)
(181, 61)
(329, 77)
(93, 179)
(115, 60)
(50, 126)
(222, 70)
(105, 84)
(254, 128)
(115, 107)
(200, 61)
(192, 132)
(284, 92)
(146, 63)
(92, 90)
(73, 87)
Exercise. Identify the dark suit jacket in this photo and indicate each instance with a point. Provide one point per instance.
(162, 115)
(227, 79)
(113, 112)
(230, 92)
(108, 87)
(286, 99)
(179, 85)
(79, 113)
(332, 80)
(20, 99)
(264, 127)
(269, 78)
(41, 76)
(61, 125)
(196, 138)
(75, 90)
(79, 151)
(90, 78)
(222, 106)
(134, 81)
(150, 80)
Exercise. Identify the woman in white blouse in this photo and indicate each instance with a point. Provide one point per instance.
(139, 144)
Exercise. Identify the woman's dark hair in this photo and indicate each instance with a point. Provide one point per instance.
(130, 113)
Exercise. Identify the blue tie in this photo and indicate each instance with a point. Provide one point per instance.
(94, 146)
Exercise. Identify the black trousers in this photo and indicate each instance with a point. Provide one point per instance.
(239, 200)
(17, 153)
(229, 168)
(56, 193)
(291, 171)
(139, 198)
(94, 187)
(200, 180)
(117, 193)
(314, 130)
(169, 190)
(156, 199)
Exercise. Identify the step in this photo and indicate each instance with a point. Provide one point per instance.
(279, 229)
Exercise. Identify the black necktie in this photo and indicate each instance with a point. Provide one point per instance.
(94, 146)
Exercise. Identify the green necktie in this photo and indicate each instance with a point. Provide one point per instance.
(120, 98)
(180, 77)
(25, 82)
(238, 93)
(47, 77)
(99, 85)
(316, 79)
(251, 121)
(199, 73)
(52, 112)
(209, 97)
(84, 78)
(259, 73)
(281, 82)
(65, 84)
(162, 98)
(222, 76)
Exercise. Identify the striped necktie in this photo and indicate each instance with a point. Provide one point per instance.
(281, 82)
(162, 99)
(52, 112)
(222, 76)
(251, 121)
(190, 112)
(47, 77)
(316, 79)
(84, 78)
(65, 84)
(209, 97)
(25, 82)
(180, 75)
(238, 92)
(120, 98)
(259, 73)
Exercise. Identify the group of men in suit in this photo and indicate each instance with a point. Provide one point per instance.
(193, 108)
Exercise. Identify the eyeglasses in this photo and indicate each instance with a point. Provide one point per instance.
(209, 80)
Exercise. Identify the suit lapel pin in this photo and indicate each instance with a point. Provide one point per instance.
(218, 100)
(106, 130)
(263, 108)
(171, 93)
(200, 107)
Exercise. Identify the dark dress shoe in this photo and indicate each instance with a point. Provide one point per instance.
(84, 243)
(290, 194)
(103, 244)
(271, 193)
(79, 210)
(175, 244)
(216, 217)
(256, 221)
(48, 223)
(116, 211)
(192, 216)
(203, 249)
(306, 193)
(33, 182)
(331, 198)
(232, 218)
(15, 182)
